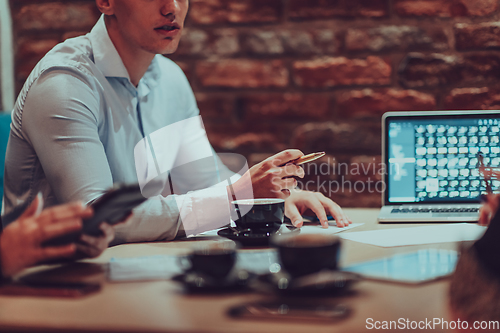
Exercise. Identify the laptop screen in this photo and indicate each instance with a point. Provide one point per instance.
(433, 158)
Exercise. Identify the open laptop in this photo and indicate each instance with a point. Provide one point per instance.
(431, 164)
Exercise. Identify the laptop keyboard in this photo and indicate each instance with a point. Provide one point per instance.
(435, 210)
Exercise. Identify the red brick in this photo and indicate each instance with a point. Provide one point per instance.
(56, 16)
(395, 38)
(220, 133)
(29, 52)
(365, 168)
(373, 103)
(245, 143)
(193, 42)
(300, 9)
(293, 40)
(472, 99)
(34, 49)
(481, 68)
(355, 200)
(419, 70)
(250, 141)
(445, 8)
(215, 107)
(286, 106)
(24, 68)
(228, 11)
(331, 72)
(242, 73)
(493, 103)
(200, 42)
(337, 138)
(257, 158)
(477, 36)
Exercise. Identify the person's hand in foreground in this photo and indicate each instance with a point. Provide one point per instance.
(489, 208)
(299, 201)
(273, 178)
(91, 247)
(21, 241)
(491, 201)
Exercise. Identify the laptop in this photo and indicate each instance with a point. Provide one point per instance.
(431, 164)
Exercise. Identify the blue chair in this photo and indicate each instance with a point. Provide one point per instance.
(5, 120)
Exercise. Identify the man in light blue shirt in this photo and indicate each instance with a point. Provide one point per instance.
(93, 100)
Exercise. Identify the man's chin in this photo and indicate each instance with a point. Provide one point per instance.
(170, 48)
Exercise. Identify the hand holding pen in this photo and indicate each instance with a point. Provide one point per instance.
(491, 201)
(486, 172)
(307, 158)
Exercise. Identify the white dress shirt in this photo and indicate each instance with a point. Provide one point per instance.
(77, 122)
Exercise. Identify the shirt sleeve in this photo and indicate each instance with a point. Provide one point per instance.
(199, 171)
(63, 130)
(60, 121)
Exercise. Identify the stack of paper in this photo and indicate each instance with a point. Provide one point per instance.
(163, 267)
(307, 229)
(445, 233)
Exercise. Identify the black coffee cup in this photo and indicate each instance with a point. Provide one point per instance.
(259, 215)
(215, 260)
(307, 253)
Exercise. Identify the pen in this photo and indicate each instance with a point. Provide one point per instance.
(308, 158)
(482, 169)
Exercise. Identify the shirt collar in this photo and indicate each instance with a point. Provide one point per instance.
(106, 57)
(109, 62)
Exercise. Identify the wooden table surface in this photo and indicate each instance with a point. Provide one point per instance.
(162, 306)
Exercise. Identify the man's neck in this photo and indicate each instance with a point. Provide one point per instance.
(136, 61)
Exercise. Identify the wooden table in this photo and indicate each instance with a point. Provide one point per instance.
(161, 306)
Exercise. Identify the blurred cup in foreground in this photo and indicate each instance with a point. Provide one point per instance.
(303, 254)
(215, 259)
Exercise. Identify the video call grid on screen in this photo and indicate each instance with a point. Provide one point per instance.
(434, 159)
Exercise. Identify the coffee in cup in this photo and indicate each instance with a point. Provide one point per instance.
(303, 254)
(259, 215)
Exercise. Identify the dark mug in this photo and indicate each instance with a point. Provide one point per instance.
(215, 260)
(308, 253)
(259, 215)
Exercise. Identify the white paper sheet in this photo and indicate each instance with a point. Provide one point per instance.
(162, 267)
(307, 229)
(257, 262)
(209, 233)
(144, 268)
(332, 229)
(445, 233)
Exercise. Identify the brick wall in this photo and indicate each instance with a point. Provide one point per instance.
(314, 75)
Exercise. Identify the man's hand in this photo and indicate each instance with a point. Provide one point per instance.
(271, 178)
(91, 247)
(489, 208)
(21, 241)
(300, 201)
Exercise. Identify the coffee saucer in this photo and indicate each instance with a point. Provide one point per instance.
(249, 238)
(201, 283)
(324, 283)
